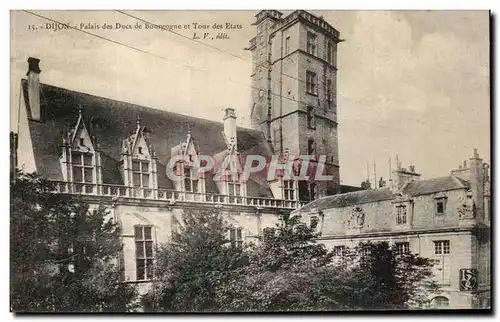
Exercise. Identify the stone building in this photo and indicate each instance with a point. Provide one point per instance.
(117, 154)
(294, 90)
(446, 219)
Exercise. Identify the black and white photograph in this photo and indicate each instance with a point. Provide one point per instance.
(250, 161)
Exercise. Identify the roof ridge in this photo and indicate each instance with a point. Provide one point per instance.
(134, 105)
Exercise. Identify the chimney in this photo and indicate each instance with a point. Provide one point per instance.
(402, 176)
(34, 87)
(477, 175)
(230, 126)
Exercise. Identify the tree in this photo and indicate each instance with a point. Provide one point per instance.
(190, 267)
(385, 279)
(63, 255)
(290, 271)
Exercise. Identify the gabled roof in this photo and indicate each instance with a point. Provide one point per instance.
(112, 121)
(414, 188)
(429, 186)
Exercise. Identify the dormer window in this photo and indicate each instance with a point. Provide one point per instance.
(234, 188)
(83, 168)
(440, 204)
(288, 190)
(190, 183)
(140, 173)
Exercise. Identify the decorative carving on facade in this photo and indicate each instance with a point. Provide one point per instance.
(356, 218)
(467, 208)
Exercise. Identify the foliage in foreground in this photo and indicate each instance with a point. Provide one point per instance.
(63, 255)
(200, 271)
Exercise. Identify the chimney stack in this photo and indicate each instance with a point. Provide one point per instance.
(34, 87)
(401, 176)
(230, 126)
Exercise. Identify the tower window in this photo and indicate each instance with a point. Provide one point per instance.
(277, 140)
(311, 43)
(287, 45)
(82, 142)
(311, 147)
(311, 82)
(311, 117)
(329, 90)
(330, 52)
(140, 150)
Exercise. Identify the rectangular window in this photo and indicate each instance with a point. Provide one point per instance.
(311, 147)
(277, 139)
(330, 52)
(190, 183)
(236, 237)
(287, 45)
(442, 247)
(234, 189)
(311, 117)
(143, 252)
(440, 206)
(140, 173)
(401, 215)
(83, 169)
(329, 90)
(311, 82)
(401, 248)
(288, 190)
(311, 43)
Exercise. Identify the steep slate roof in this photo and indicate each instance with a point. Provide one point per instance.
(112, 121)
(414, 188)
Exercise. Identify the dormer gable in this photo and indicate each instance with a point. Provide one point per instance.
(137, 144)
(79, 138)
(186, 151)
(80, 158)
(138, 163)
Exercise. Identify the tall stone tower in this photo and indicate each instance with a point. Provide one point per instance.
(294, 86)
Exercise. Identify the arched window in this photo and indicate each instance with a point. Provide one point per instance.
(440, 302)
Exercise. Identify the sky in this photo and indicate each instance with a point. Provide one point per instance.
(411, 83)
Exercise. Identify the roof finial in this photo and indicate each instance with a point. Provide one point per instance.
(79, 110)
(189, 129)
(138, 121)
